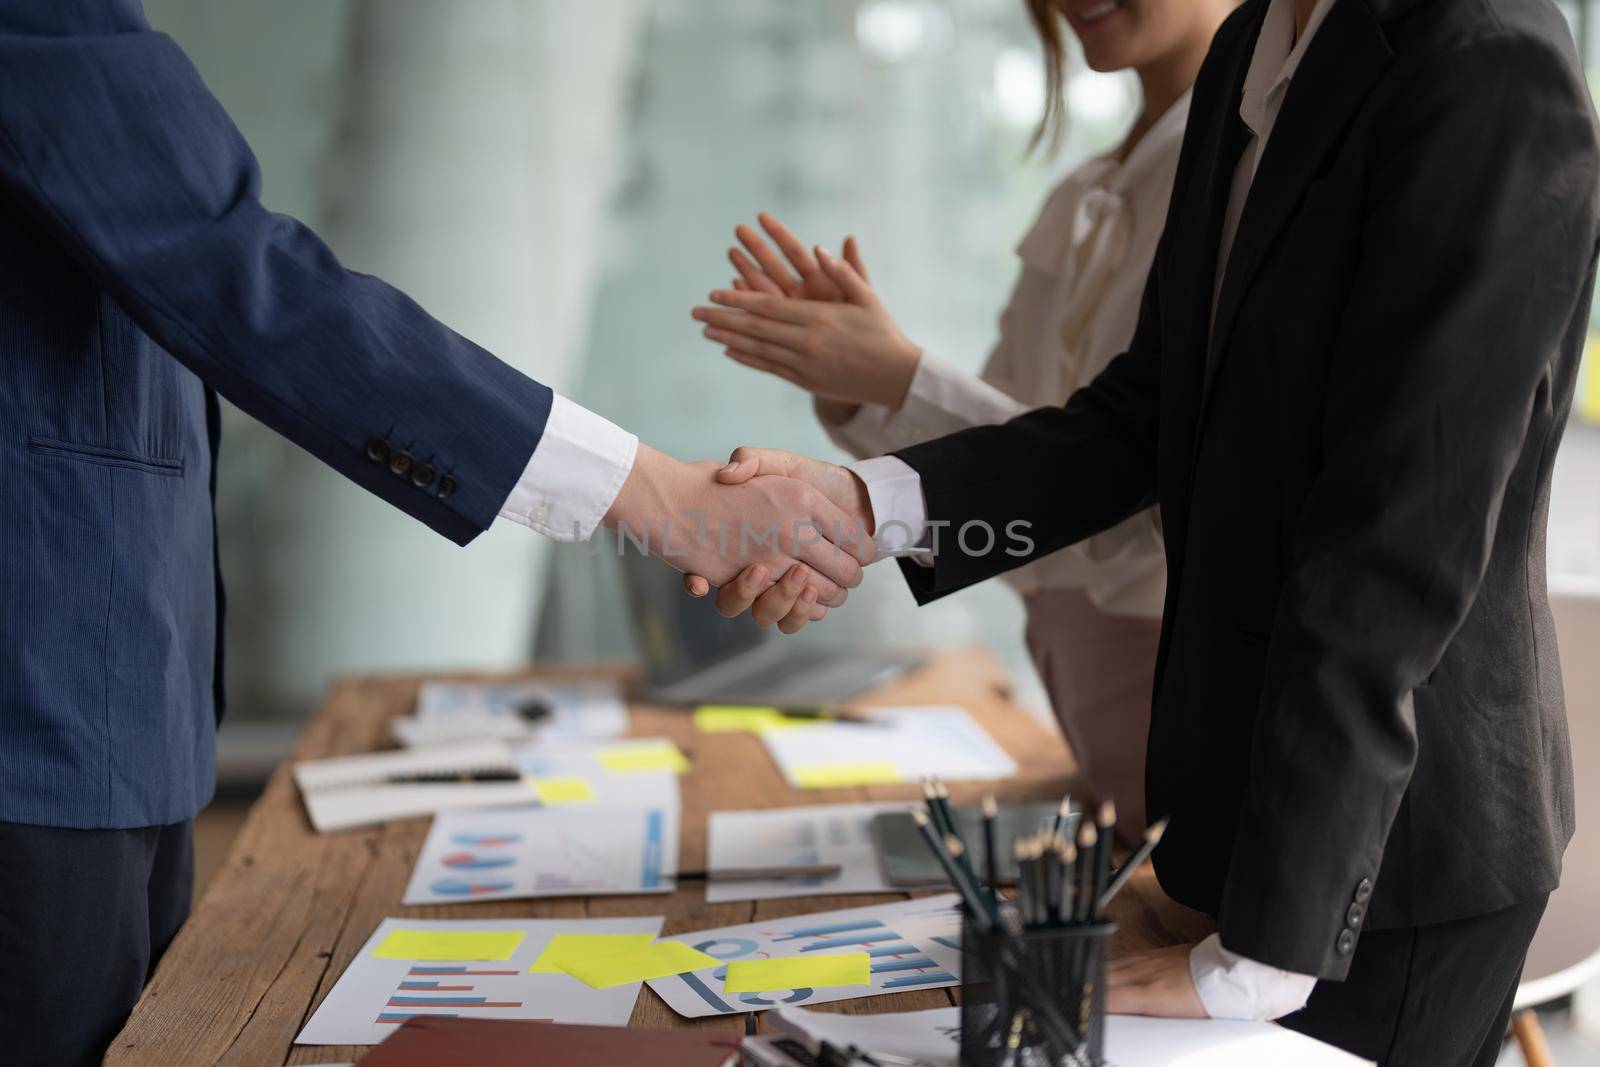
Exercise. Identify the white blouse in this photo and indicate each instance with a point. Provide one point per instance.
(1072, 311)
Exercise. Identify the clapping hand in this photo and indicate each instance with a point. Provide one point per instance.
(819, 325)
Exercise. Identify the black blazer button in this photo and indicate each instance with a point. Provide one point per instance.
(1353, 916)
(400, 462)
(1363, 891)
(447, 485)
(422, 475)
(1346, 942)
(377, 449)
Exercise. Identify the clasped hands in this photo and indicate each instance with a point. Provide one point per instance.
(783, 536)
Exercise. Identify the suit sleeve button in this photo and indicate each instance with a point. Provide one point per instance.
(400, 462)
(377, 449)
(447, 485)
(1354, 915)
(1363, 891)
(1346, 942)
(422, 475)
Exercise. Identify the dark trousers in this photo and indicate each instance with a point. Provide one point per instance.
(84, 916)
(1427, 996)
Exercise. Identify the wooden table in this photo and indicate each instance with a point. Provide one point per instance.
(290, 908)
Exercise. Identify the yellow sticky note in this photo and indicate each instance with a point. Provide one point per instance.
(800, 972)
(829, 775)
(562, 790)
(451, 945)
(732, 718)
(563, 948)
(604, 969)
(656, 757)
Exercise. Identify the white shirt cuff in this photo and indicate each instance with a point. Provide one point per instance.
(574, 474)
(899, 513)
(1233, 987)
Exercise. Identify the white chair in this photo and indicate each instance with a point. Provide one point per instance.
(1566, 949)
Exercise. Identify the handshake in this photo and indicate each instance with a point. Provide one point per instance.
(780, 535)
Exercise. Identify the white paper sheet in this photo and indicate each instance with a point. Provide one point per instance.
(336, 800)
(933, 1039)
(452, 711)
(587, 760)
(787, 837)
(943, 741)
(914, 944)
(374, 995)
(529, 851)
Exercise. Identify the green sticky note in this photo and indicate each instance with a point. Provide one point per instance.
(566, 947)
(449, 945)
(562, 790)
(801, 972)
(833, 775)
(656, 757)
(732, 718)
(612, 967)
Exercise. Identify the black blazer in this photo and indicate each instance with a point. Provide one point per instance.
(1357, 681)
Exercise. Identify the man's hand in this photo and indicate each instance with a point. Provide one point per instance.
(1154, 982)
(719, 523)
(783, 604)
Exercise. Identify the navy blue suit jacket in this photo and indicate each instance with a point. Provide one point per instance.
(140, 276)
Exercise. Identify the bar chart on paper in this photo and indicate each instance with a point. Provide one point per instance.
(912, 944)
(466, 969)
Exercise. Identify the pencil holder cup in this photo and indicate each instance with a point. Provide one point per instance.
(1035, 998)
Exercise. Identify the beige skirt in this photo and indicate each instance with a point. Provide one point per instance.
(1099, 670)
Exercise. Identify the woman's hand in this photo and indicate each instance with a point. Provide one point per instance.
(767, 272)
(849, 350)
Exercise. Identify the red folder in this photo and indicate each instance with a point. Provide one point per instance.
(429, 1042)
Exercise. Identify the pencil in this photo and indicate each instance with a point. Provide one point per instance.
(1061, 814)
(1152, 838)
(952, 870)
(1105, 826)
(1088, 844)
(980, 906)
(991, 868)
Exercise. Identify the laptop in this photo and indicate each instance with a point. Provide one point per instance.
(692, 655)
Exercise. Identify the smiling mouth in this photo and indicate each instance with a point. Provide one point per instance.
(1089, 16)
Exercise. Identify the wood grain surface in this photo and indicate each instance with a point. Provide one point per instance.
(289, 908)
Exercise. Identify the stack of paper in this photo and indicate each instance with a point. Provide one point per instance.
(513, 711)
(532, 851)
(468, 969)
(911, 944)
(901, 745)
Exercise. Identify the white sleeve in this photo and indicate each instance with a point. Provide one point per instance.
(1233, 987)
(899, 512)
(940, 401)
(574, 474)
